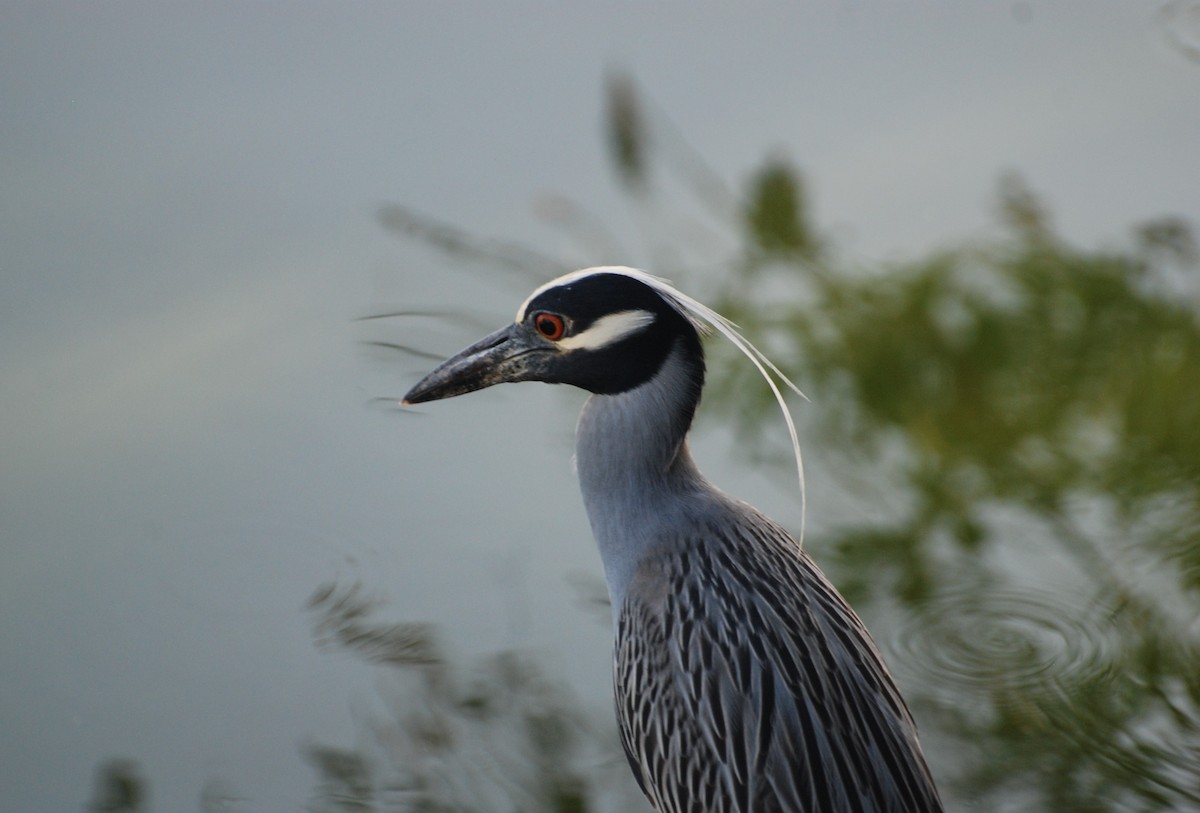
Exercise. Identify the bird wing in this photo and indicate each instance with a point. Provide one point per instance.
(751, 686)
(663, 742)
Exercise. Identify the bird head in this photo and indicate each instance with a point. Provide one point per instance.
(605, 330)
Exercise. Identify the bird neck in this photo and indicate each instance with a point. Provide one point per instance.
(633, 461)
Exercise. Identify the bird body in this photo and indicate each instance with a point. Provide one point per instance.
(744, 682)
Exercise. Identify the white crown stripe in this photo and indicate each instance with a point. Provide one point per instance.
(565, 279)
(608, 330)
(705, 319)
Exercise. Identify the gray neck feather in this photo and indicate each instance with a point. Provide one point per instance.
(634, 467)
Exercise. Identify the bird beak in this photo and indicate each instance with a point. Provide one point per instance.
(513, 353)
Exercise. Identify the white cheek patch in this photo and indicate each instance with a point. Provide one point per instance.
(608, 330)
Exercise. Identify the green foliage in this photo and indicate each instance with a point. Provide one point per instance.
(1029, 379)
(1025, 372)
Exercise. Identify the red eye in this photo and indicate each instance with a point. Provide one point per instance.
(550, 325)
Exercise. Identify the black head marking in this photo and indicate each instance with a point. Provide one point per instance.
(632, 359)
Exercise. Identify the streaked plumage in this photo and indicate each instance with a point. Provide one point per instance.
(775, 697)
(744, 683)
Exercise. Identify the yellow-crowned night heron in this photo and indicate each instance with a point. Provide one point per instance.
(744, 682)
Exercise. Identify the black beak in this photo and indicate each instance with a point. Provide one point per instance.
(514, 353)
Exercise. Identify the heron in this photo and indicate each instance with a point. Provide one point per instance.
(743, 681)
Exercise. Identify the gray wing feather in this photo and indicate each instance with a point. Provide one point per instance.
(746, 684)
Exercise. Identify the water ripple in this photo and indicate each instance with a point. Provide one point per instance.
(981, 641)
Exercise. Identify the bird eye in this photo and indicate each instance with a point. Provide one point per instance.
(550, 325)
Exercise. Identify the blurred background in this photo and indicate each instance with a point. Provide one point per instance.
(236, 576)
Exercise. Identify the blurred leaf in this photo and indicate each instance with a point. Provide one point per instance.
(1169, 236)
(119, 788)
(776, 216)
(342, 620)
(1022, 210)
(626, 132)
(345, 785)
(525, 263)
